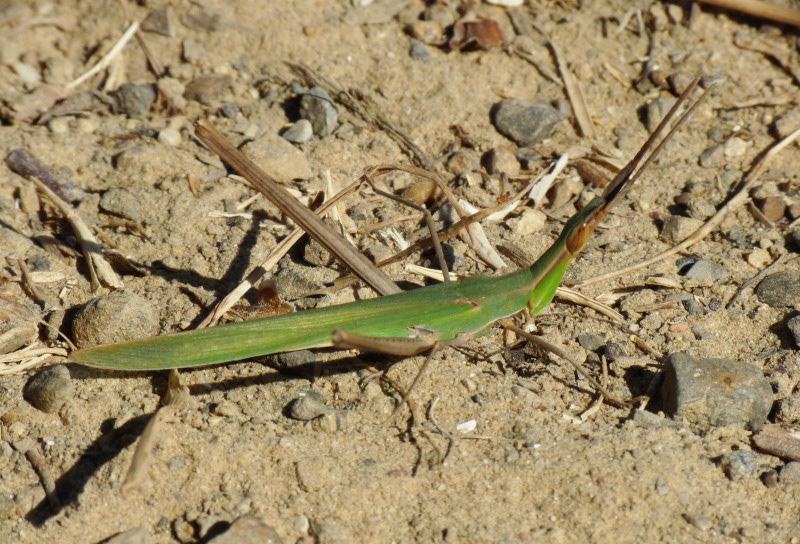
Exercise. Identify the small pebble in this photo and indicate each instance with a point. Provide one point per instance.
(159, 21)
(50, 389)
(773, 207)
(59, 125)
(530, 222)
(790, 473)
(170, 136)
(116, 317)
(318, 107)
(309, 405)
(123, 203)
(139, 535)
(300, 132)
(418, 51)
(715, 392)
(759, 258)
(208, 88)
(706, 271)
(525, 122)
(316, 255)
(462, 161)
(591, 342)
(278, 158)
(677, 228)
(713, 157)
(793, 325)
(230, 110)
(247, 529)
(134, 100)
(780, 290)
(770, 478)
(501, 160)
(739, 464)
(735, 147)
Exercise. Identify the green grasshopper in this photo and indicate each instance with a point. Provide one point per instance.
(404, 324)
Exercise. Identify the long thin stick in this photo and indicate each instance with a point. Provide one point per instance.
(734, 203)
(305, 218)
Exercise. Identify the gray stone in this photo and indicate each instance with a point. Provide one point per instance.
(707, 271)
(123, 203)
(318, 107)
(300, 132)
(418, 51)
(793, 325)
(677, 228)
(591, 342)
(780, 290)
(160, 22)
(134, 100)
(247, 530)
(739, 464)
(525, 122)
(293, 359)
(715, 392)
(230, 110)
(116, 317)
(139, 535)
(278, 158)
(50, 388)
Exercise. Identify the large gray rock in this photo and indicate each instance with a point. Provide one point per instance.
(715, 392)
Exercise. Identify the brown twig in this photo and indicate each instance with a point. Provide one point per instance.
(733, 204)
(305, 218)
(758, 8)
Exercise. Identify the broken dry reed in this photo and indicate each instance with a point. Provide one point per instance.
(317, 229)
(252, 279)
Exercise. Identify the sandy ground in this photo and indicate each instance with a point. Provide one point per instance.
(532, 470)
